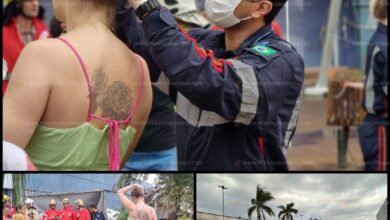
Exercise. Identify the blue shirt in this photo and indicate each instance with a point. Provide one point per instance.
(98, 215)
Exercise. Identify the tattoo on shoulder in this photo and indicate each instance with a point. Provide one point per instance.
(115, 100)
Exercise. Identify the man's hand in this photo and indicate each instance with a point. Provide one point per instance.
(138, 186)
(136, 3)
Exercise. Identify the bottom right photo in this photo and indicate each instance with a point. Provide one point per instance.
(291, 196)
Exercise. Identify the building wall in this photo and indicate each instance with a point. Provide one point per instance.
(382, 214)
(69, 183)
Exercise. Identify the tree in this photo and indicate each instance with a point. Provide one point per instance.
(286, 211)
(127, 179)
(259, 204)
(175, 192)
(19, 188)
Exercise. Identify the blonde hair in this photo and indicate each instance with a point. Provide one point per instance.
(378, 9)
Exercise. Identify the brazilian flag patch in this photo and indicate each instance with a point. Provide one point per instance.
(263, 50)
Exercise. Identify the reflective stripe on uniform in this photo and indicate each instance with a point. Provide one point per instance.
(163, 84)
(369, 90)
(250, 92)
(187, 110)
(190, 113)
(292, 124)
(209, 119)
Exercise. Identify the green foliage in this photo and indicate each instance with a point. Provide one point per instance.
(19, 186)
(175, 192)
(259, 204)
(127, 179)
(286, 211)
(123, 214)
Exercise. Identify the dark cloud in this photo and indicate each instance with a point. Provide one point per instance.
(325, 196)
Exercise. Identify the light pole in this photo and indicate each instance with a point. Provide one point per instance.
(223, 204)
(301, 217)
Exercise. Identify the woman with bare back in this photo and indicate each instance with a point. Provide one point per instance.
(136, 206)
(78, 102)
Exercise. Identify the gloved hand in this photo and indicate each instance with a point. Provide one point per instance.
(136, 3)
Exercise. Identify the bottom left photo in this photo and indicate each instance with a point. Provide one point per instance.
(93, 196)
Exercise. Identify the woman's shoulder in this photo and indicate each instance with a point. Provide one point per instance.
(45, 47)
(50, 51)
(43, 58)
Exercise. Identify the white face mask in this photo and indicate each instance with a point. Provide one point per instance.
(221, 12)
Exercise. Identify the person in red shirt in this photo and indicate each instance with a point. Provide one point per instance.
(22, 23)
(82, 213)
(51, 213)
(8, 210)
(67, 213)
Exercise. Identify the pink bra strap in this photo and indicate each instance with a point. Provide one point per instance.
(113, 147)
(85, 75)
(114, 154)
(139, 91)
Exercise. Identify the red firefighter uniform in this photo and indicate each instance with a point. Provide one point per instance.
(50, 214)
(67, 213)
(13, 43)
(83, 214)
(8, 212)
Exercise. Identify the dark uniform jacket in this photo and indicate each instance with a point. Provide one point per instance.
(375, 89)
(243, 105)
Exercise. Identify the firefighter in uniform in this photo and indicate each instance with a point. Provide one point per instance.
(51, 213)
(243, 101)
(82, 213)
(8, 210)
(67, 212)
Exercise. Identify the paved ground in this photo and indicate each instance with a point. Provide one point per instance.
(314, 145)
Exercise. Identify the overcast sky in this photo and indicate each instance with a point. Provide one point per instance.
(325, 196)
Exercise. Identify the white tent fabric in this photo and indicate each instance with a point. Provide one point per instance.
(112, 214)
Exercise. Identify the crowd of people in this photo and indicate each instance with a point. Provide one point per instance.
(160, 85)
(67, 212)
(135, 205)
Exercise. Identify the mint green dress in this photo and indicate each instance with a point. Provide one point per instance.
(82, 148)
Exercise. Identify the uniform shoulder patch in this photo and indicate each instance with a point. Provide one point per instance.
(264, 51)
